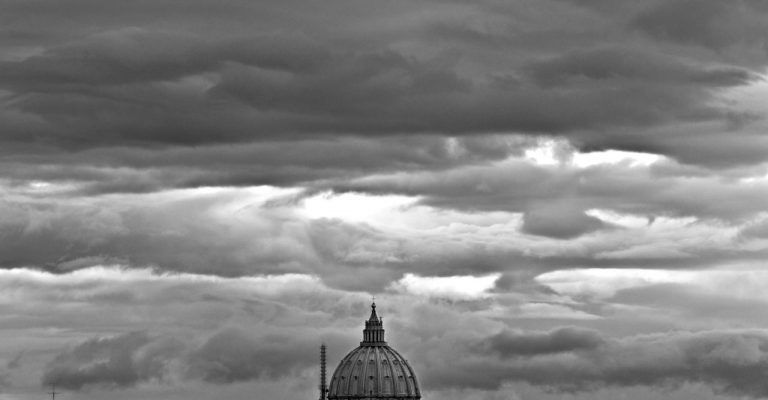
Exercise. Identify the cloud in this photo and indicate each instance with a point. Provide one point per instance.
(731, 362)
(518, 184)
(756, 229)
(560, 221)
(453, 287)
(15, 362)
(233, 355)
(151, 84)
(246, 172)
(278, 163)
(116, 361)
(618, 64)
(568, 339)
(511, 217)
(707, 23)
(128, 359)
(264, 345)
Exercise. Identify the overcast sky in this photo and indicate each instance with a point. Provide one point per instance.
(550, 199)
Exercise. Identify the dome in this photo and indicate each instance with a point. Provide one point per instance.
(373, 369)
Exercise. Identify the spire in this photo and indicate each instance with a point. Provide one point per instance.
(373, 334)
(323, 386)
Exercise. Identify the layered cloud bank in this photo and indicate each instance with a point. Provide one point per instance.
(566, 359)
(250, 331)
(548, 197)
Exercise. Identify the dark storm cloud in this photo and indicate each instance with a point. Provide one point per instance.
(732, 363)
(614, 64)
(132, 55)
(289, 76)
(110, 170)
(709, 23)
(511, 344)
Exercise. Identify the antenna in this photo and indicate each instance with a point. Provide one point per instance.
(53, 392)
(323, 387)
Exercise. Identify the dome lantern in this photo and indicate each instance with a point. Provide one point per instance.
(373, 334)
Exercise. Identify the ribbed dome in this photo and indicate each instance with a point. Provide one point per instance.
(374, 370)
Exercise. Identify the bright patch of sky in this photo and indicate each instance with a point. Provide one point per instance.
(116, 274)
(742, 281)
(356, 207)
(455, 287)
(559, 152)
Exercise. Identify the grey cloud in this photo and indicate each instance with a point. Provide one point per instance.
(524, 187)
(560, 221)
(278, 163)
(15, 362)
(116, 361)
(612, 64)
(229, 356)
(146, 85)
(719, 147)
(756, 229)
(510, 344)
(707, 23)
(261, 240)
(688, 301)
(131, 55)
(732, 363)
(64, 234)
(521, 280)
(233, 355)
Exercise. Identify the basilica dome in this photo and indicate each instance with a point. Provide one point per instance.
(374, 370)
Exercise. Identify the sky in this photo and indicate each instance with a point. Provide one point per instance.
(550, 199)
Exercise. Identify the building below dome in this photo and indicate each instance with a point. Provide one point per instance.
(373, 370)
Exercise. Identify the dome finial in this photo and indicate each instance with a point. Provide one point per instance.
(373, 317)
